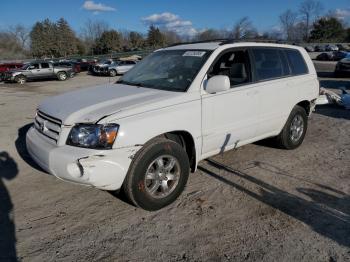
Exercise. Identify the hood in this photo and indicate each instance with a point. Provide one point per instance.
(345, 60)
(102, 65)
(16, 71)
(89, 105)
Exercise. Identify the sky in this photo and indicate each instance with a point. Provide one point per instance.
(183, 16)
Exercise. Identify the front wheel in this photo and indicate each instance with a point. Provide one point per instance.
(157, 175)
(112, 73)
(293, 132)
(21, 80)
(62, 76)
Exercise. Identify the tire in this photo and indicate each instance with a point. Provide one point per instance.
(21, 79)
(62, 76)
(150, 192)
(293, 132)
(112, 73)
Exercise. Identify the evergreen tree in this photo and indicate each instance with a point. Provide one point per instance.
(110, 41)
(155, 38)
(328, 29)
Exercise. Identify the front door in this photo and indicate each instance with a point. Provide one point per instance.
(230, 118)
(34, 70)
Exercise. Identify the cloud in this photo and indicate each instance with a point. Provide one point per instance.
(171, 22)
(97, 7)
(342, 14)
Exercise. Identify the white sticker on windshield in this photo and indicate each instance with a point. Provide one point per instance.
(194, 53)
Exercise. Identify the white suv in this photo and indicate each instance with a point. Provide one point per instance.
(181, 104)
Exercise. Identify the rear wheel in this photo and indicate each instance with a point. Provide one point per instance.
(20, 79)
(157, 175)
(62, 76)
(293, 132)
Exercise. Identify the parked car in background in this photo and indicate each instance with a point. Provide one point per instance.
(325, 56)
(320, 48)
(309, 48)
(178, 106)
(7, 67)
(73, 65)
(343, 67)
(339, 55)
(331, 48)
(37, 70)
(84, 63)
(343, 47)
(112, 68)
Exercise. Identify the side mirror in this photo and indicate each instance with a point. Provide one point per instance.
(217, 84)
(31, 67)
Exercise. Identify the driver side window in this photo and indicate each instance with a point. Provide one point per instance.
(235, 65)
(34, 66)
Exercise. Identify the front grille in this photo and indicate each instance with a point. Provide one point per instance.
(48, 126)
(100, 69)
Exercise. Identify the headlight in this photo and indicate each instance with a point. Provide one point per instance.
(93, 136)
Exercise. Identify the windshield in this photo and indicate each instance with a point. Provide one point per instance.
(171, 70)
(25, 66)
(106, 62)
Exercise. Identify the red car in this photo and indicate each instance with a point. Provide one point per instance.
(9, 66)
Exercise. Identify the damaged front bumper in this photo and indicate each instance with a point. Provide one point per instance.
(104, 169)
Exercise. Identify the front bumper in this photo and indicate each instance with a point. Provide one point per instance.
(104, 169)
(100, 71)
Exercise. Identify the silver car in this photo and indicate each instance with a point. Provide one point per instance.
(112, 68)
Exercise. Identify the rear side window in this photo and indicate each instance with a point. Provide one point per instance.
(269, 63)
(45, 65)
(296, 62)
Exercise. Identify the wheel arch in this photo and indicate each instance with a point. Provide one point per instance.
(185, 139)
(306, 105)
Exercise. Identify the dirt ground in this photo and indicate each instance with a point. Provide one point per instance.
(256, 203)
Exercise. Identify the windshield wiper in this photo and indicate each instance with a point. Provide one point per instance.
(130, 83)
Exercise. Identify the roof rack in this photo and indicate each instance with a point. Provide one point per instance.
(257, 40)
(199, 42)
(225, 41)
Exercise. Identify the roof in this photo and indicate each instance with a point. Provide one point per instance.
(214, 44)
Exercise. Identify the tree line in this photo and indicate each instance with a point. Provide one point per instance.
(57, 39)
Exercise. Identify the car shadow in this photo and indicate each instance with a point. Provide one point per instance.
(325, 74)
(334, 111)
(8, 171)
(326, 214)
(335, 84)
(21, 147)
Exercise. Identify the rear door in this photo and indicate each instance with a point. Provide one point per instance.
(46, 70)
(272, 77)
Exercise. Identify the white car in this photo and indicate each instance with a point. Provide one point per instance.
(181, 104)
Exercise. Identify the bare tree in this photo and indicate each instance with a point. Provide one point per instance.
(288, 20)
(21, 33)
(310, 11)
(244, 29)
(93, 30)
(9, 46)
(209, 34)
(171, 37)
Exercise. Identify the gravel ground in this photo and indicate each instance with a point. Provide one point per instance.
(256, 203)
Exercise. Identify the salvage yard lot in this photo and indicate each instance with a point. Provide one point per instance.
(256, 203)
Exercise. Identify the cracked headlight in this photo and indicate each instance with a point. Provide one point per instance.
(93, 136)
